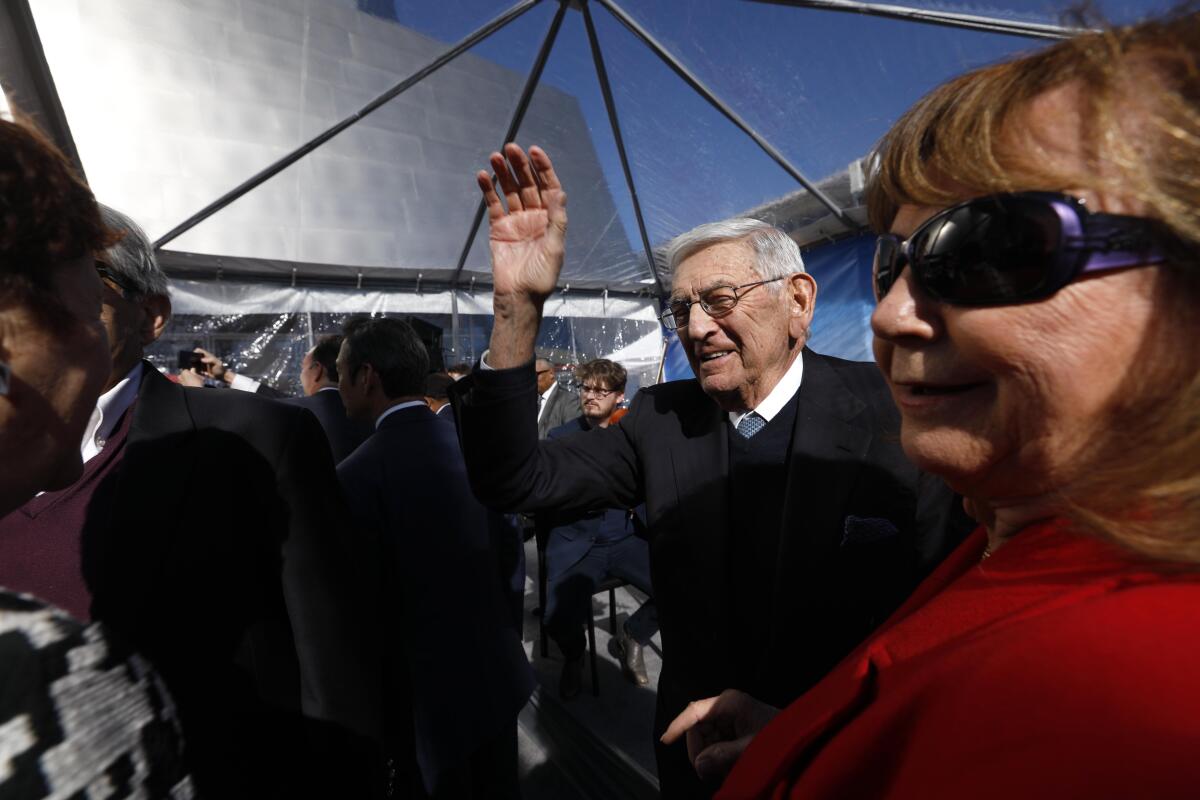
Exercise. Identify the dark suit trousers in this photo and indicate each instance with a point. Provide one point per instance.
(569, 590)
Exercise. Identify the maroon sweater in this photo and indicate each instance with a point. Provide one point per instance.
(41, 542)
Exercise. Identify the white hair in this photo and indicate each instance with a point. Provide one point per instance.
(775, 253)
(132, 259)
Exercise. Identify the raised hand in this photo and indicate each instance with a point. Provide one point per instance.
(527, 240)
(719, 729)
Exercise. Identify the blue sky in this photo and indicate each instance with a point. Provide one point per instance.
(821, 86)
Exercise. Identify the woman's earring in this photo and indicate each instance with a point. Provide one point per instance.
(5, 376)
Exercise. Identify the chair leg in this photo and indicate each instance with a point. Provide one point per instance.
(542, 643)
(591, 626)
(612, 612)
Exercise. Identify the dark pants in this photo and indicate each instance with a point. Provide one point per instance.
(569, 590)
(489, 774)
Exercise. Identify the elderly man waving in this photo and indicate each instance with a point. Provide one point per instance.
(784, 521)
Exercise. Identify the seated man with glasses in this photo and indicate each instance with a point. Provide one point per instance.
(583, 551)
(784, 521)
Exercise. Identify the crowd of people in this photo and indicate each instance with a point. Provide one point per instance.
(968, 569)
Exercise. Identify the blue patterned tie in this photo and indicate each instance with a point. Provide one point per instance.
(751, 424)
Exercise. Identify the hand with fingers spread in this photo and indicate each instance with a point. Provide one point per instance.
(719, 729)
(527, 236)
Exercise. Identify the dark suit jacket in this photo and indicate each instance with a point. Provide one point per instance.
(562, 406)
(247, 606)
(444, 613)
(344, 435)
(860, 525)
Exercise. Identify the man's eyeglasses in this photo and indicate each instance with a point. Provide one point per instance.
(716, 302)
(115, 283)
(597, 391)
(1012, 248)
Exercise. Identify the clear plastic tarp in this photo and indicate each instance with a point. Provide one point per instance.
(273, 327)
(173, 103)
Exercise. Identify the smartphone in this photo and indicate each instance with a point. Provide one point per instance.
(189, 359)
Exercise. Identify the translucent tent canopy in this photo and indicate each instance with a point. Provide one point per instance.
(301, 157)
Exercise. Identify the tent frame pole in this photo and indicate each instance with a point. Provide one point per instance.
(976, 22)
(611, 107)
(291, 158)
(701, 89)
(531, 84)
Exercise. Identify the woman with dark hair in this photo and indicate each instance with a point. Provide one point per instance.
(1037, 276)
(78, 714)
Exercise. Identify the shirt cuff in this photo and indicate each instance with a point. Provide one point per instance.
(244, 384)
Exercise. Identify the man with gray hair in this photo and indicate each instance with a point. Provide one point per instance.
(206, 533)
(784, 520)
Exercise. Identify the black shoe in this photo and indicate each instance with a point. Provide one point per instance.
(633, 664)
(570, 682)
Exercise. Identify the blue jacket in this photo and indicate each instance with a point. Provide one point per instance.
(571, 538)
(445, 611)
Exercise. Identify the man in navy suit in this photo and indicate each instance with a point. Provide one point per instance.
(583, 550)
(319, 379)
(457, 672)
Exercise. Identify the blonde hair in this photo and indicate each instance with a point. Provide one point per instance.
(1139, 93)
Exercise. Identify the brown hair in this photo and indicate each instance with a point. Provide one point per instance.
(610, 372)
(1139, 91)
(47, 214)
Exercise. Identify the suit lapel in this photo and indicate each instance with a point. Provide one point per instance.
(700, 460)
(154, 484)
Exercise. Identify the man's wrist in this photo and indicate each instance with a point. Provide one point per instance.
(514, 331)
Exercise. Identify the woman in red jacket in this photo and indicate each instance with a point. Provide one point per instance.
(1037, 284)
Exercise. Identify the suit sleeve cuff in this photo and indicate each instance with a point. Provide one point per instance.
(244, 384)
(488, 385)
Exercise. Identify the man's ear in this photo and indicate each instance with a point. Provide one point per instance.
(157, 313)
(367, 377)
(802, 299)
(319, 369)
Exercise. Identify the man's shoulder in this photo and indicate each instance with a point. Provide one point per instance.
(863, 379)
(685, 390)
(252, 416)
(674, 397)
(319, 401)
(864, 372)
(573, 425)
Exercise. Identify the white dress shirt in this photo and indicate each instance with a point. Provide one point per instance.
(397, 407)
(244, 384)
(778, 397)
(109, 408)
(546, 400)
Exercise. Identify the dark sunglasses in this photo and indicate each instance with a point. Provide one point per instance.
(120, 286)
(1013, 248)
